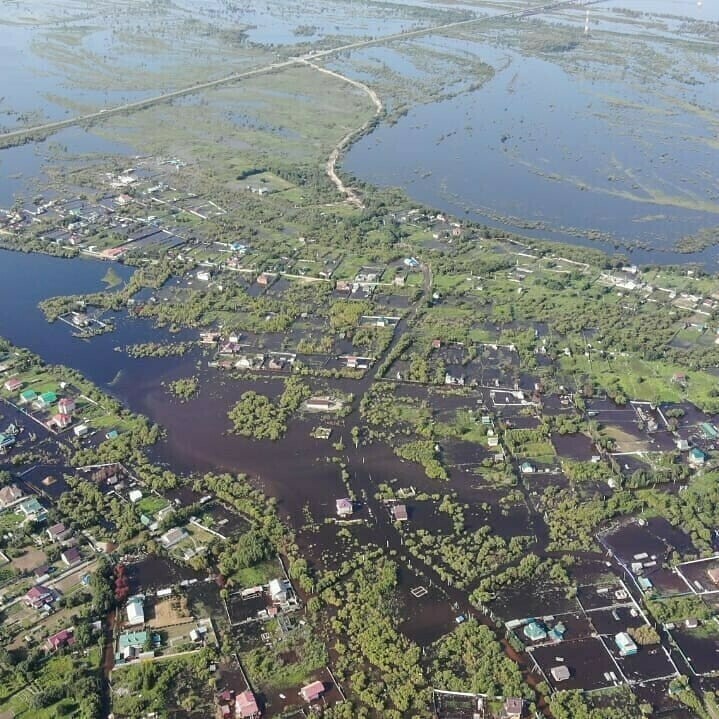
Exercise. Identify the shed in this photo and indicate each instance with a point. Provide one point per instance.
(560, 673)
(514, 708)
(625, 644)
(399, 513)
(344, 507)
(81, 430)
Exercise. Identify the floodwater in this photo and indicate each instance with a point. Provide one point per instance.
(557, 152)
(296, 470)
(21, 167)
(562, 158)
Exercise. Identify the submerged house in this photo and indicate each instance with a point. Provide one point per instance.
(246, 706)
(399, 513)
(625, 644)
(535, 631)
(312, 692)
(696, 457)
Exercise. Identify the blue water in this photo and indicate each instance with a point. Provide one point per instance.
(26, 279)
(539, 144)
(22, 166)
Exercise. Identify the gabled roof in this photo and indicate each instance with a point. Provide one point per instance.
(312, 691)
(38, 591)
(70, 556)
(135, 611)
(10, 493)
(246, 705)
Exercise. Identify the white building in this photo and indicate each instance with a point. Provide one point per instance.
(135, 611)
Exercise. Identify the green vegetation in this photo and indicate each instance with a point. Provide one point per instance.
(257, 416)
(471, 660)
(372, 653)
(619, 704)
(164, 686)
(289, 660)
(61, 686)
(184, 388)
(424, 452)
(528, 355)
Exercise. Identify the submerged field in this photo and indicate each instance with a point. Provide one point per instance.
(604, 136)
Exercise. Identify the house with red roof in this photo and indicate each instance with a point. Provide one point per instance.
(64, 638)
(60, 421)
(66, 405)
(312, 692)
(38, 596)
(246, 706)
(399, 513)
(13, 384)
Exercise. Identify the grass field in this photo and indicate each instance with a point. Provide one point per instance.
(649, 381)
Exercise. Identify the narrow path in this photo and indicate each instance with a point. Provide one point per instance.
(351, 194)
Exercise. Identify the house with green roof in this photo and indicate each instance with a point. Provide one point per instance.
(29, 395)
(535, 631)
(132, 639)
(32, 510)
(697, 457)
(45, 400)
(6, 441)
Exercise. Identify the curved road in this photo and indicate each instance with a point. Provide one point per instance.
(330, 168)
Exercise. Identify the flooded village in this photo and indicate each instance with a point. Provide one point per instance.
(277, 442)
(318, 419)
